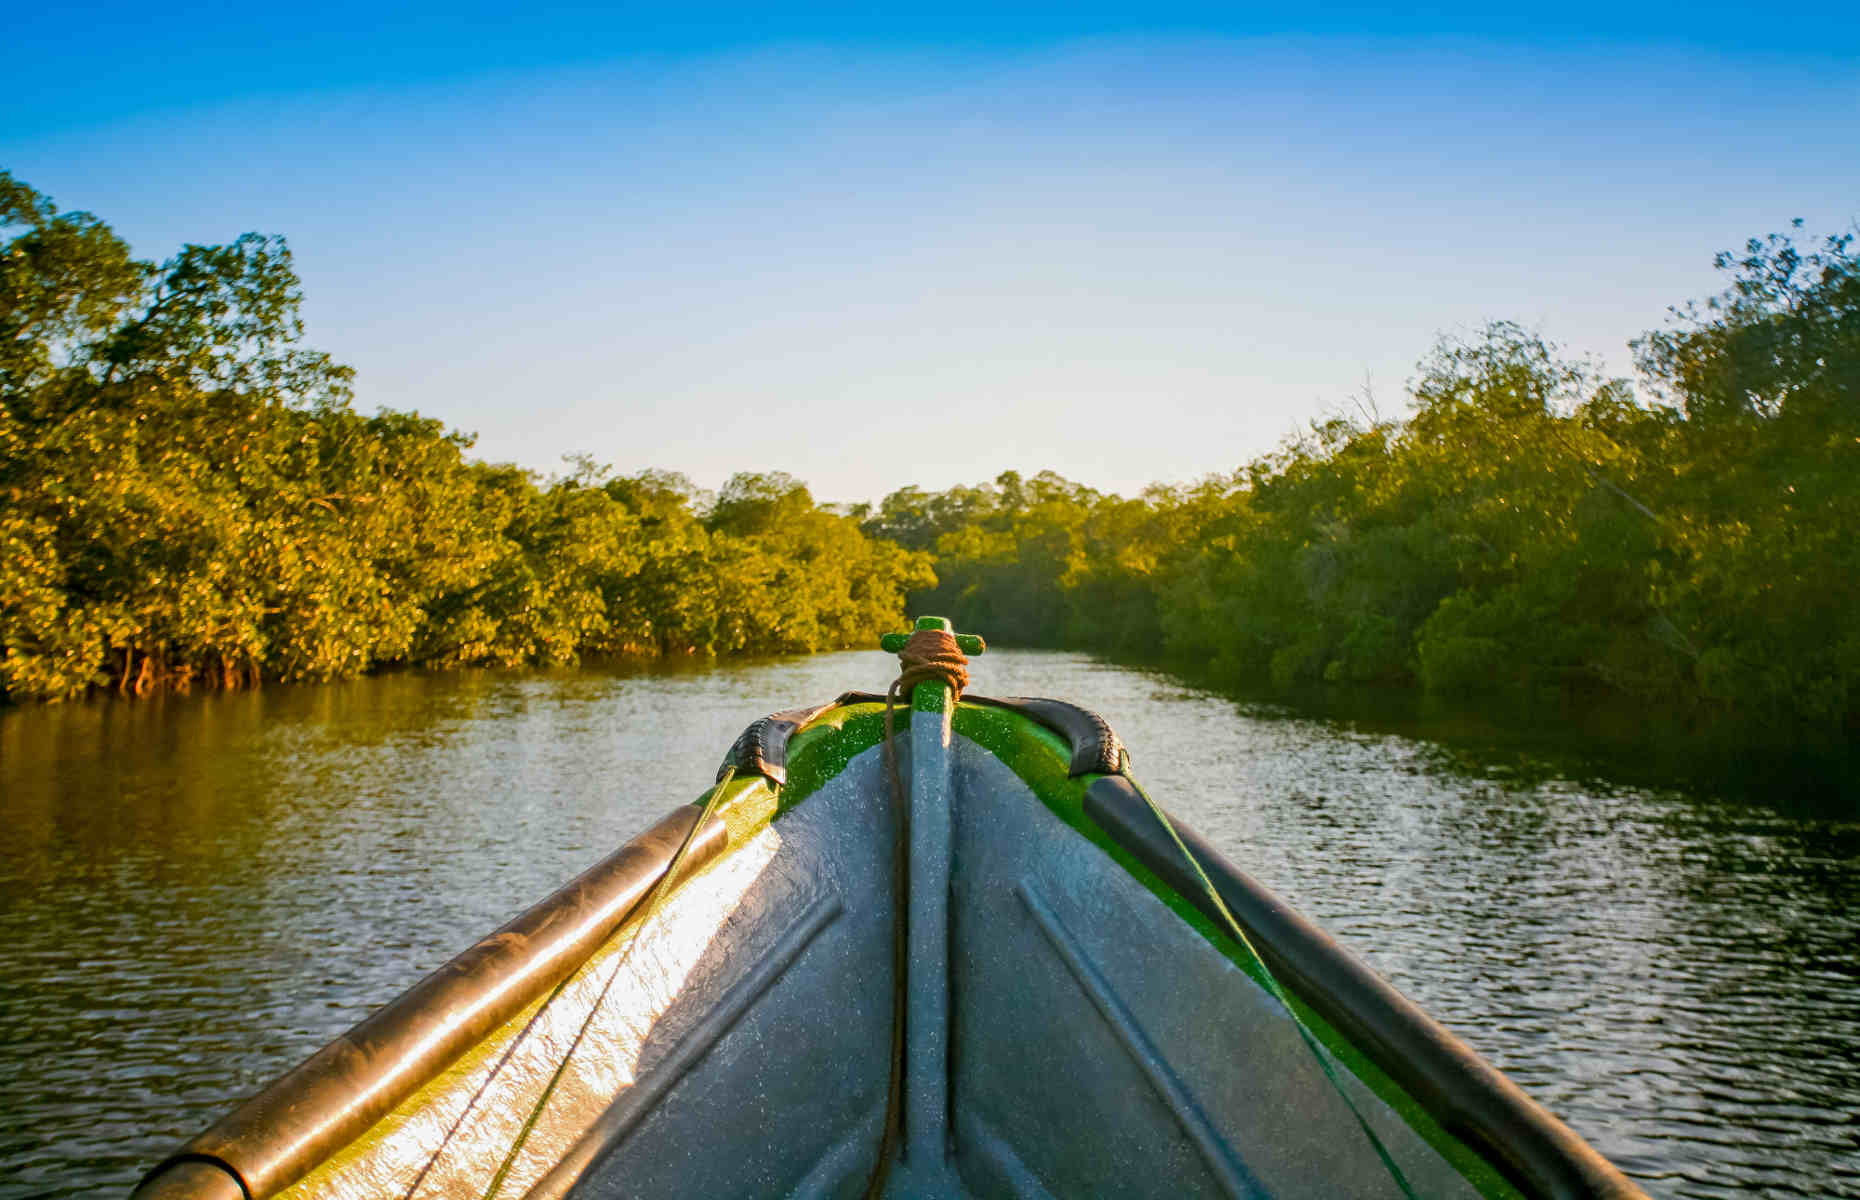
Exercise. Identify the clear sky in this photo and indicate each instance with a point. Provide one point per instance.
(877, 245)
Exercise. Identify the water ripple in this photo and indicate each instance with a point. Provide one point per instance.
(198, 892)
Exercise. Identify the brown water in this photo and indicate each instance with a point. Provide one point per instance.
(197, 892)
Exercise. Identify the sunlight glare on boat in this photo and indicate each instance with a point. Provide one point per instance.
(654, 963)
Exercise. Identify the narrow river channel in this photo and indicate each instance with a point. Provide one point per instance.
(197, 892)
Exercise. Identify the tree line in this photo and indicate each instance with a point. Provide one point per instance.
(1528, 524)
(187, 496)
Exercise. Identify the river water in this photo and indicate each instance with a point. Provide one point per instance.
(198, 892)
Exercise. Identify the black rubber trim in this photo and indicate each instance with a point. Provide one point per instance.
(1470, 1098)
(282, 1133)
(1096, 748)
(762, 749)
(195, 1177)
(1095, 745)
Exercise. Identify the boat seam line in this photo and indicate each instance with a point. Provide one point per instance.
(1225, 1165)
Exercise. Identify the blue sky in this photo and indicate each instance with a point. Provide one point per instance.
(873, 249)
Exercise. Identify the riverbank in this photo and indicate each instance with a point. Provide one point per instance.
(1681, 541)
(194, 503)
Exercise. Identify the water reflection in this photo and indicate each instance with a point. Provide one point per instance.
(199, 891)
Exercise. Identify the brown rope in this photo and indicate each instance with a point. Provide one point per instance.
(933, 654)
(930, 654)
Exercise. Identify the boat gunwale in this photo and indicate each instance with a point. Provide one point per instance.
(1356, 1013)
(297, 1122)
(1471, 1099)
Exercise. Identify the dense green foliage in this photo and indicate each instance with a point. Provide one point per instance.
(186, 494)
(1529, 524)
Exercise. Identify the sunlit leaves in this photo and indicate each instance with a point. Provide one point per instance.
(186, 496)
(1531, 524)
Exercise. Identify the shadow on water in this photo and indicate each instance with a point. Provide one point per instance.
(1603, 738)
(1659, 939)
